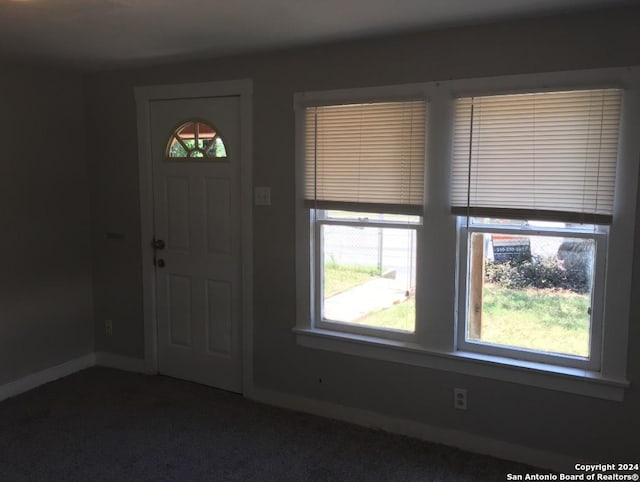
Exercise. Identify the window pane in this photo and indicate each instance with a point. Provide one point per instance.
(353, 215)
(531, 224)
(195, 140)
(368, 276)
(176, 149)
(217, 149)
(531, 292)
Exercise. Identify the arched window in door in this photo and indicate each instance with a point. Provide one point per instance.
(196, 140)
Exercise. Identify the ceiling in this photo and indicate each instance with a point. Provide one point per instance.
(96, 34)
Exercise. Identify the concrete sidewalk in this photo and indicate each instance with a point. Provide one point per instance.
(353, 304)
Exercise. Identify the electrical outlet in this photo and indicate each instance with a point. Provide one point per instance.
(108, 327)
(460, 398)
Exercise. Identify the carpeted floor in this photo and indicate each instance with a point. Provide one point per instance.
(104, 424)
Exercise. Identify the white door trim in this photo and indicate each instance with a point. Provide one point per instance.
(144, 95)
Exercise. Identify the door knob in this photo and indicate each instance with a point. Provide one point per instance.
(157, 244)
(160, 263)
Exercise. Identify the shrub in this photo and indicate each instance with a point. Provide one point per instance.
(537, 272)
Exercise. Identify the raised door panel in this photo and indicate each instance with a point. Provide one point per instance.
(177, 190)
(218, 215)
(179, 310)
(219, 316)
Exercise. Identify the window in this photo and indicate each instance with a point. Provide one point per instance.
(364, 184)
(481, 226)
(533, 289)
(195, 140)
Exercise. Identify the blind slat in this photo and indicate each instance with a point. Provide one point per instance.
(539, 154)
(366, 155)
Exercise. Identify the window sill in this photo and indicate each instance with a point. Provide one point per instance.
(551, 377)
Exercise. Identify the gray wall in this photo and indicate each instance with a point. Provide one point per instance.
(535, 417)
(45, 286)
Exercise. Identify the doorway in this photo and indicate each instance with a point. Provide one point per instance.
(196, 208)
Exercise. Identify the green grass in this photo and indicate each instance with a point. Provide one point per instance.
(343, 277)
(401, 316)
(545, 320)
(536, 319)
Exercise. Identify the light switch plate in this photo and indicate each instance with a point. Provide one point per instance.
(262, 196)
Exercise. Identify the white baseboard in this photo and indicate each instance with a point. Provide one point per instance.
(453, 438)
(34, 380)
(120, 362)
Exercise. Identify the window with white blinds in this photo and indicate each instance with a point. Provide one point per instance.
(367, 157)
(548, 155)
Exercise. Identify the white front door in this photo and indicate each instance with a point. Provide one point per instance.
(197, 232)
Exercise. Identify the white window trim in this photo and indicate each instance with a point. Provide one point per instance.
(434, 344)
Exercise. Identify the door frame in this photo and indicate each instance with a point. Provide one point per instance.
(144, 95)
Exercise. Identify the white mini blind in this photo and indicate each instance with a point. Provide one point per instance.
(548, 155)
(367, 157)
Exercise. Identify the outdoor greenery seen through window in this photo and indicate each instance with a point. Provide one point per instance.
(369, 275)
(535, 291)
(196, 140)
